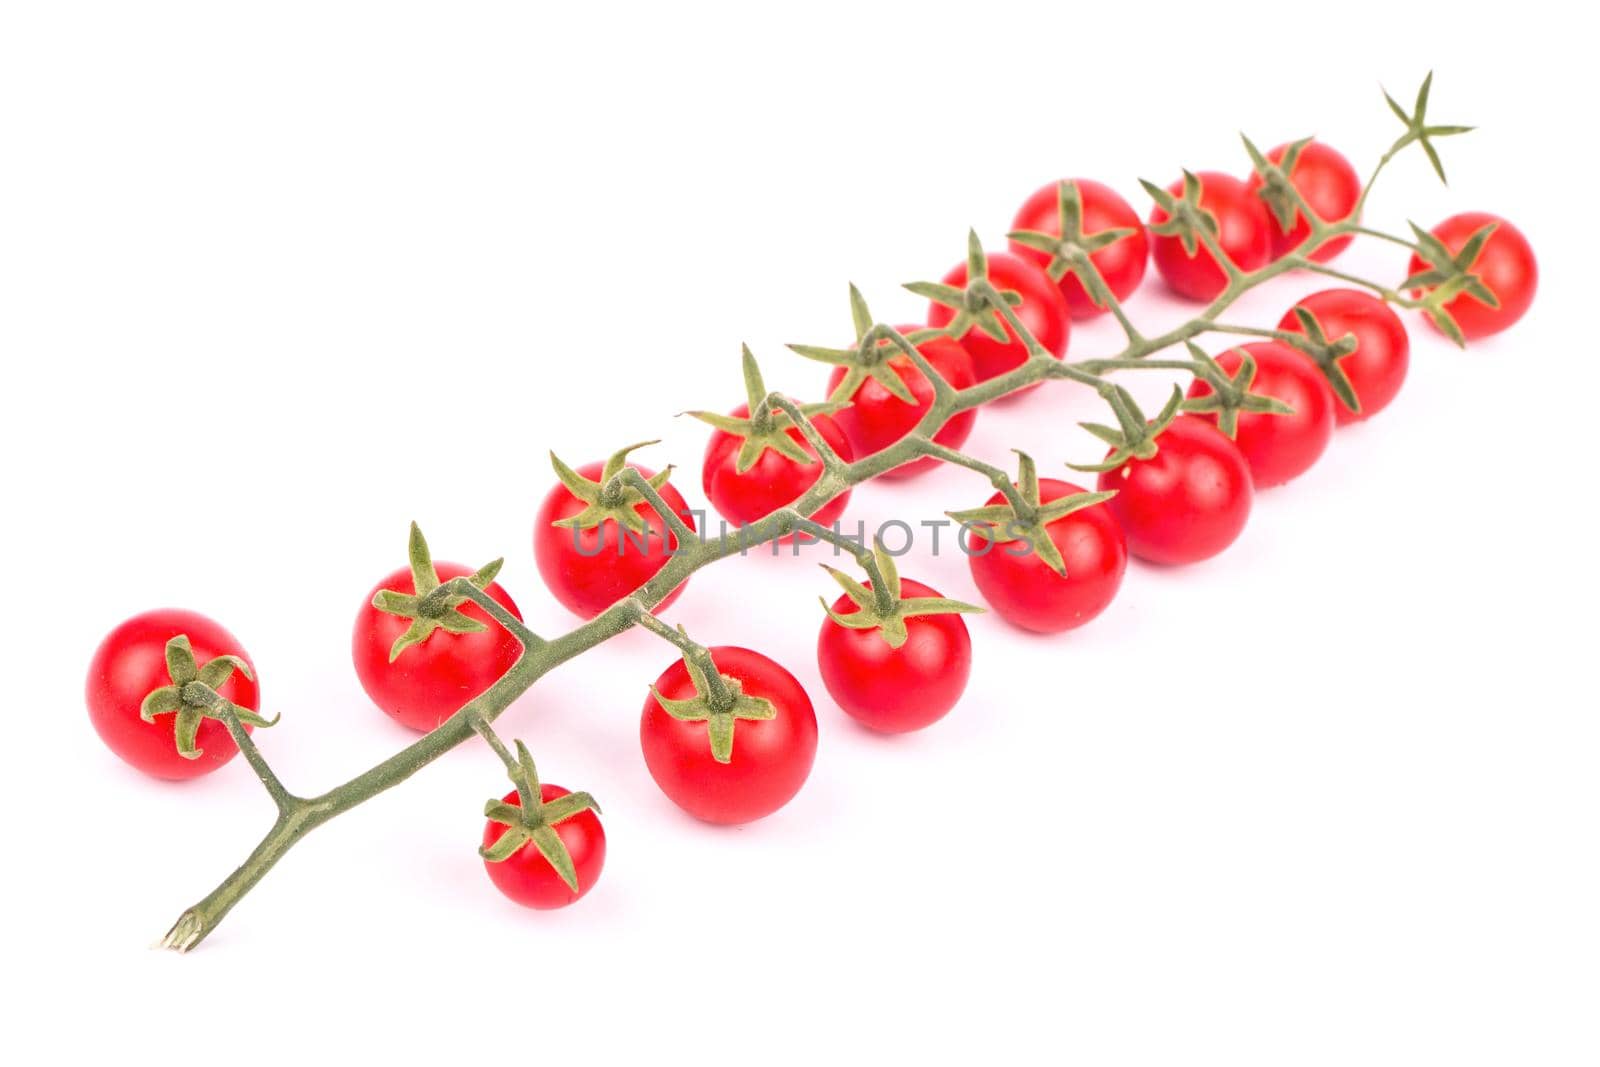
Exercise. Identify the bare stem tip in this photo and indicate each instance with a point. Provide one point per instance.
(185, 933)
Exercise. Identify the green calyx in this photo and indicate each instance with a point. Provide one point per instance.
(1448, 276)
(876, 345)
(1070, 248)
(607, 498)
(977, 305)
(428, 609)
(1186, 219)
(1326, 355)
(193, 695)
(1277, 191)
(534, 820)
(1135, 436)
(1026, 518)
(1230, 396)
(1418, 129)
(764, 427)
(881, 607)
(719, 701)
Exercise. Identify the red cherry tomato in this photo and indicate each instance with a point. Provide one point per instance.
(527, 877)
(1043, 311)
(1243, 232)
(589, 570)
(1377, 367)
(1186, 503)
(1279, 447)
(1329, 185)
(771, 757)
(1121, 263)
(876, 418)
(1505, 264)
(774, 481)
(131, 663)
(1027, 592)
(430, 681)
(896, 689)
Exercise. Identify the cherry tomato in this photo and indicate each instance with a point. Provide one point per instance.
(771, 758)
(1186, 503)
(1121, 263)
(430, 681)
(131, 663)
(1377, 367)
(1243, 232)
(1043, 311)
(1279, 447)
(1329, 185)
(527, 877)
(1505, 264)
(876, 418)
(589, 570)
(896, 689)
(775, 481)
(1027, 592)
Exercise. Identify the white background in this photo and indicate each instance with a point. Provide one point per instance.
(277, 279)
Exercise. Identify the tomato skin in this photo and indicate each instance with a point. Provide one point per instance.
(775, 481)
(1328, 184)
(1189, 501)
(589, 570)
(1023, 589)
(1043, 311)
(877, 418)
(131, 662)
(431, 680)
(1121, 263)
(896, 690)
(527, 877)
(1377, 368)
(1243, 232)
(771, 757)
(1505, 264)
(1279, 447)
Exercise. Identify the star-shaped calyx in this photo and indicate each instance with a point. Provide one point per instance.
(764, 427)
(428, 610)
(719, 701)
(1069, 248)
(1448, 276)
(1230, 396)
(976, 305)
(1418, 129)
(1326, 355)
(1025, 518)
(881, 607)
(876, 345)
(534, 820)
(604, 498)
(1277, 191)
(1134, 437)
(193, 695)
(1186, 219)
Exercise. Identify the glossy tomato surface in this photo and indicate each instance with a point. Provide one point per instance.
(527, 877)
(771, 757)
(774, 481)
(876, 418)
(431, 680)
(1043, 312)
(1186, 503)
(1377, 367)
(1505, 264)
(1329, 185)
(1279, 447)
(1023, 588)
(131, 663)
(895, 690)
(1121, 263)
(1243, 233)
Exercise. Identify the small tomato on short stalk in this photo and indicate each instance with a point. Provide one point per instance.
(1043, 311)
(876, 418)
(527, 875)
(1121, 263)
(1243, 233)
(1376, 369)
(1278, 447)
(775, 480)
(1505, 265)
(1329, 185)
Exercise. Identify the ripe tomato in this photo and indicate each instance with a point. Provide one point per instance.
(1121, 263)
(896, 689)
(771, 758)
(1027, 592)
(430, 681)
(1377, 367)
(1243, 233)
(1186, 503)
(1505, 264)
(1279, 447)
(774, 481)
(527, 877)
(1043, 311)
(131, 663)
(876, 418)
(1329, 185)
(590, 569)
